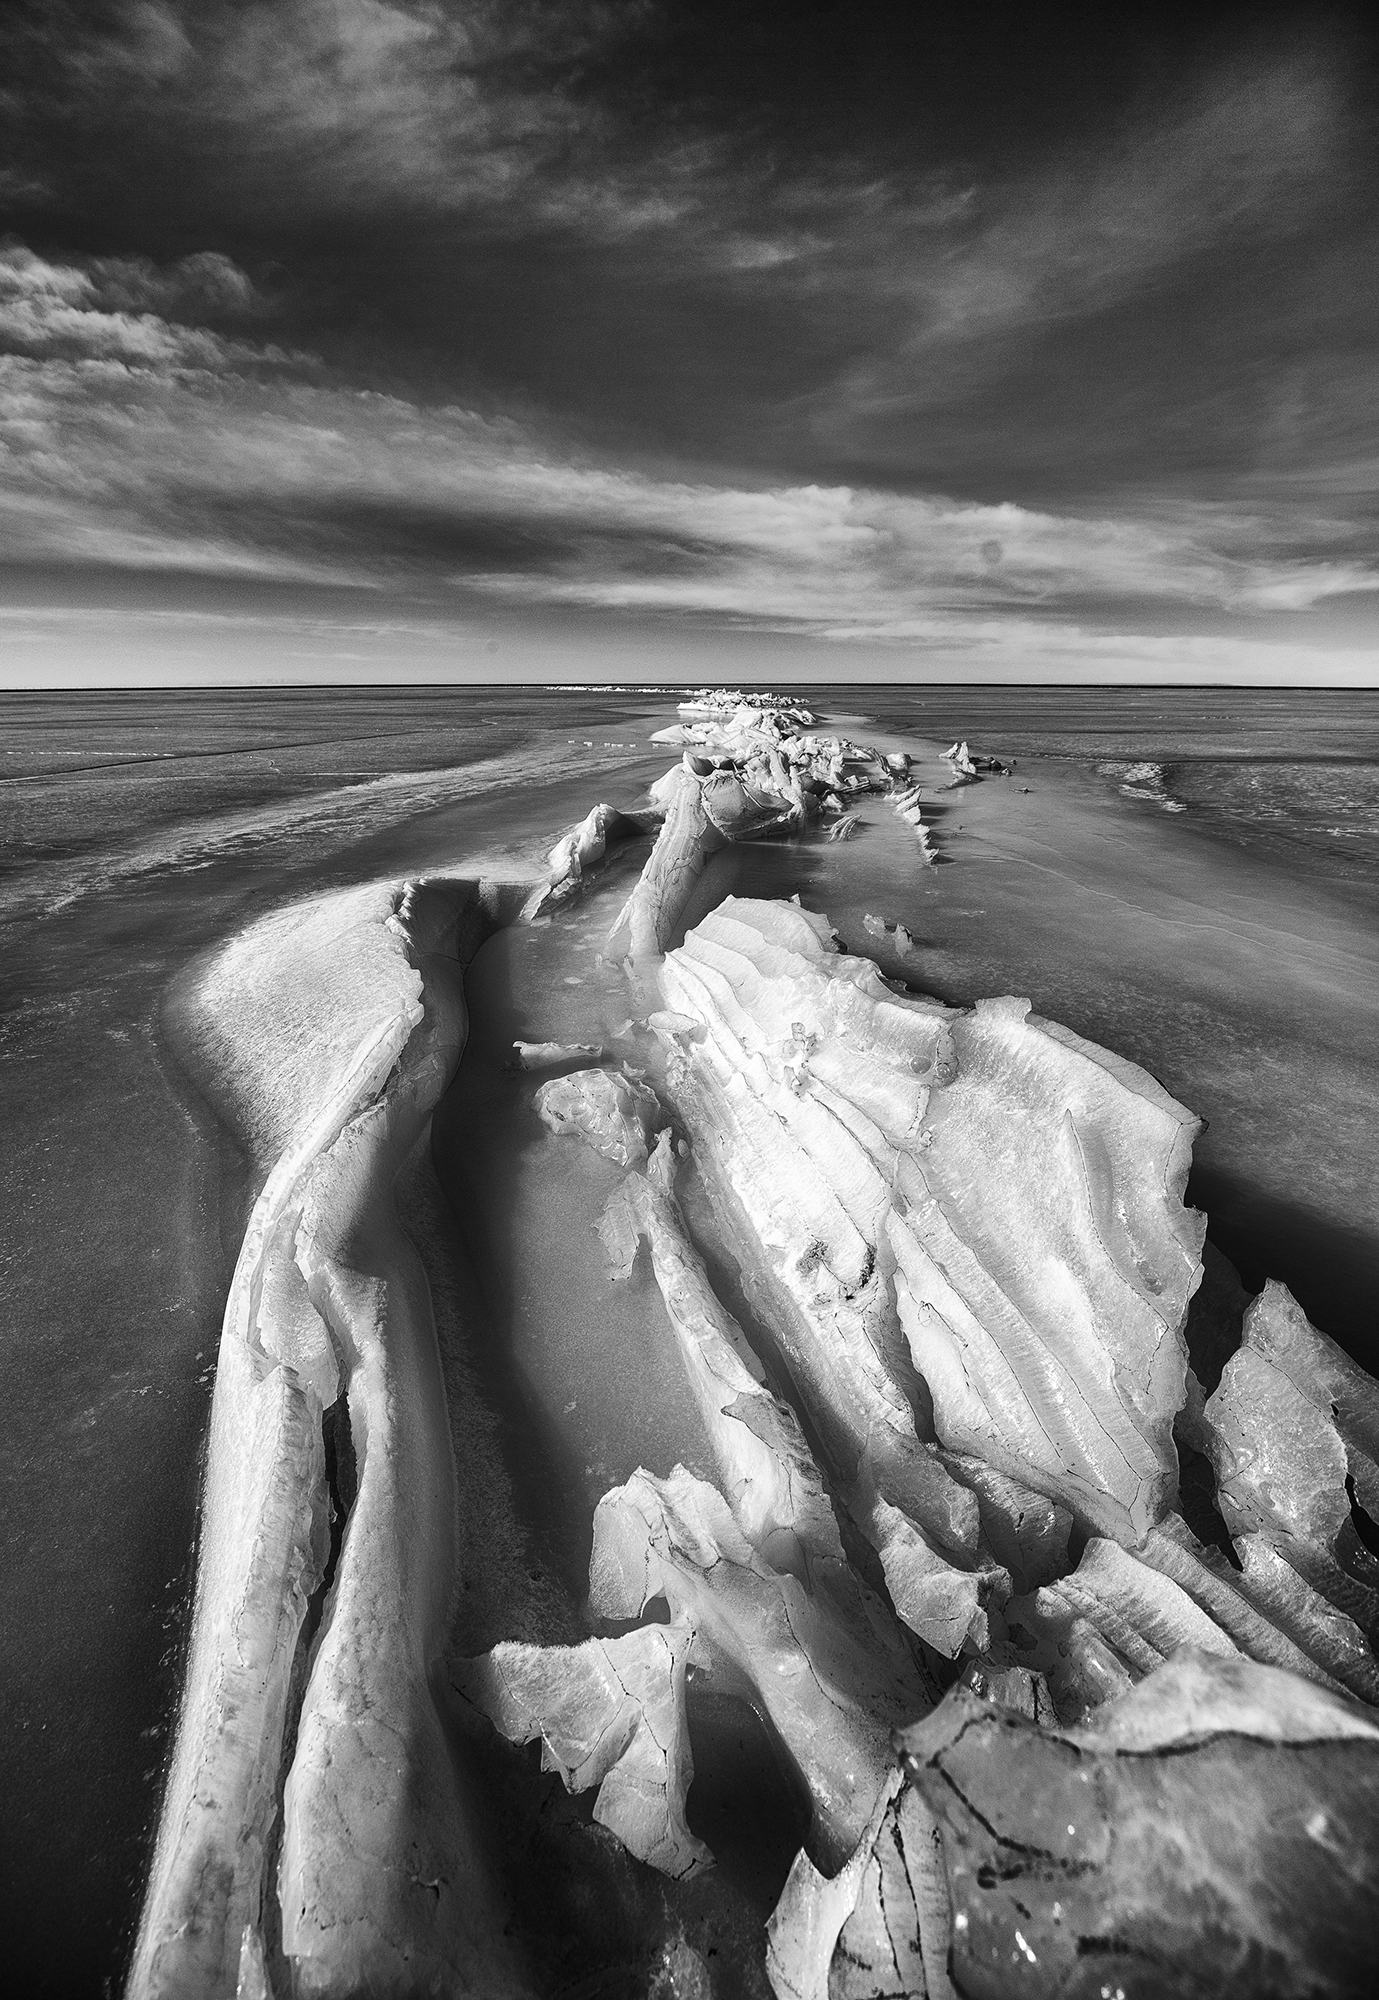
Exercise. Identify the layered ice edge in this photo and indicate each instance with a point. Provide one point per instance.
(310, 1809)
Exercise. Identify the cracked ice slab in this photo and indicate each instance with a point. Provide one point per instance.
(1014, 1191)
(687, 838)
(611, 1714)
(550, 1055)
(1293, 1431)
(295, 1057)
(832, 1692)
(1214, 1833)
(878, 1929)
(766, 1469)
(579, 850)
(614, 1113)
(1120, 1615)
(797, 1086)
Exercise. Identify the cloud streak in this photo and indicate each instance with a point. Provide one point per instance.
(136, 440)
(607, 308)
(348, 108)
(99, 311)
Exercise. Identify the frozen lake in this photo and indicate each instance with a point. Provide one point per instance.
(1190, 879)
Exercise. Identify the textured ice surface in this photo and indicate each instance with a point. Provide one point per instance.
(611, 1714)
(1014, 1194)
(832, 1689)
(338, 1024)
(1293, 1433)
(964, 1232)
(1216, 1835)
(615, 1114)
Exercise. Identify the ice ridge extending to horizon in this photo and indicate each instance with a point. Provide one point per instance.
(1045, 1731)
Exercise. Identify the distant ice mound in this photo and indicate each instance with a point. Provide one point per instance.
(1143, 781)
(711, 704)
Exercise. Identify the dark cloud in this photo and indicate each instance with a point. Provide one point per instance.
(784, 313)
(388, 539)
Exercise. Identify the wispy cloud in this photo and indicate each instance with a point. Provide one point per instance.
(320, 108)
(312, 109)
(1248, 148)
(512, 320)
(97, 310)
(132, 439)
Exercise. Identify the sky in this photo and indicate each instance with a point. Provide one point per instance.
(655, 340)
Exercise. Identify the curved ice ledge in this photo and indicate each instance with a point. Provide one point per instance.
(338, 1024)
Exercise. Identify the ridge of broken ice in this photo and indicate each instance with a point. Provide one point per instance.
(1007, 1195)
(962, 1231)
